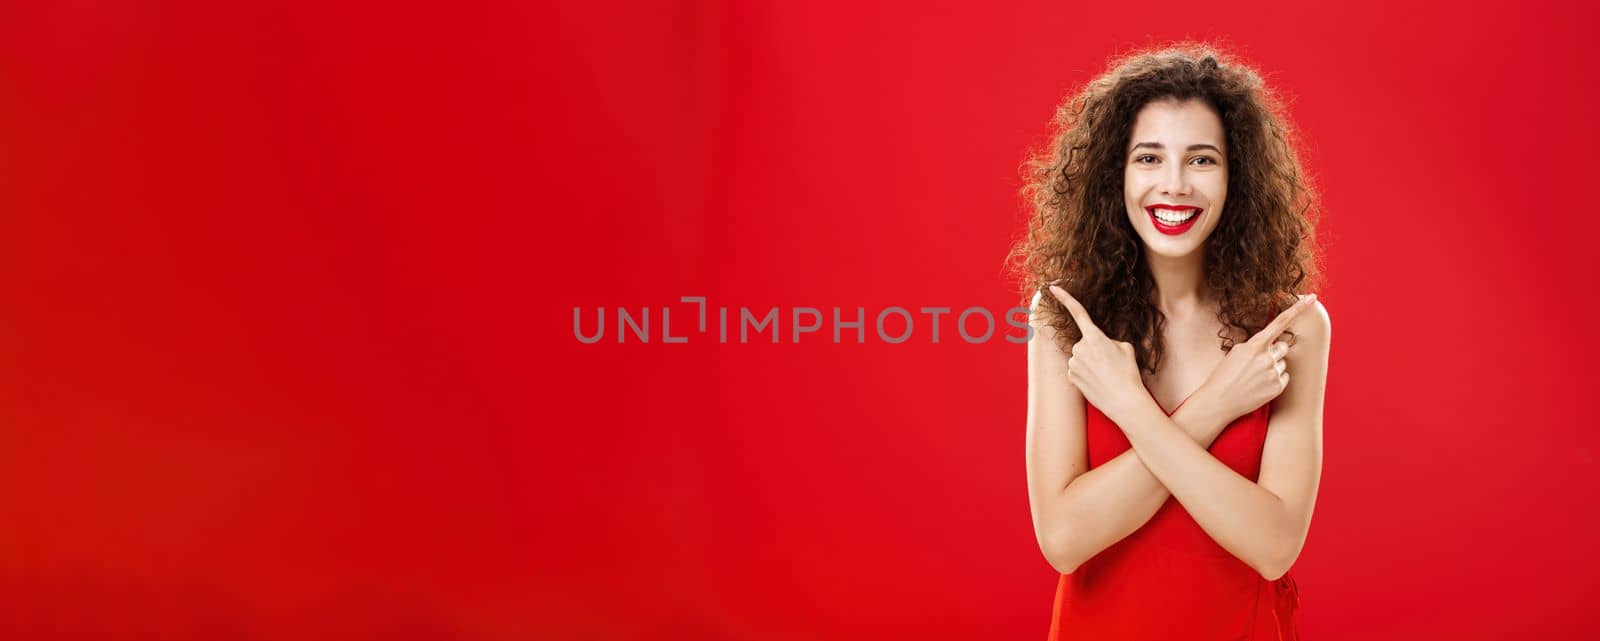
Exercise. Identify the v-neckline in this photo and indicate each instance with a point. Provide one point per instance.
(1158, 401)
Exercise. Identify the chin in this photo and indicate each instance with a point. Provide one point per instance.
(1172, 248)
(1171, 253)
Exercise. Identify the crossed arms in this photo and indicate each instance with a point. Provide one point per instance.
(1079, 512)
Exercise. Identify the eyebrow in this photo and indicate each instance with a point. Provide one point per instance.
(1157, 145)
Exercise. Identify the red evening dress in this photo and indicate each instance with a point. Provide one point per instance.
(1169, 580)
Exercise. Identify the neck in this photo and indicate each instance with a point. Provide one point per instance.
(1180, 283)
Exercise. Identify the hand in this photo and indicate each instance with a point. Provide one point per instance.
(1106, 371)
(1255, 372)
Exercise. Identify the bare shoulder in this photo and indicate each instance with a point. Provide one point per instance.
(1313, 324)
(1043, 335)
(1039, 317)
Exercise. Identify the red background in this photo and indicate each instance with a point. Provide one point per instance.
(286, 294)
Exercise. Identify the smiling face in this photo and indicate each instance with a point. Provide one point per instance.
(1176, 175)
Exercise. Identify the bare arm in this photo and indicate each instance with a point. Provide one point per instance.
(1111, 501)
(1077, 512)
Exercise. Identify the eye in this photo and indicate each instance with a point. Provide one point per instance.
(1207, 159)
(1140, 158)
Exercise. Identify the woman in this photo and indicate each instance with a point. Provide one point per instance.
(1175, 375)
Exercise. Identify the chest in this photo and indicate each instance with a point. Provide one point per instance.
(1193, 351)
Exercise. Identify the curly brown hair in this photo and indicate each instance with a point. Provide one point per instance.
(1261, 253)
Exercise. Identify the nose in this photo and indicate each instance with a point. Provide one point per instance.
(1175, 181)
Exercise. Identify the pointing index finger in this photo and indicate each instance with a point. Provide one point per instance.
(1077, 310)
(1281, 323)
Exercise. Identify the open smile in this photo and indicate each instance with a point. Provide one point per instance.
(1173, 220)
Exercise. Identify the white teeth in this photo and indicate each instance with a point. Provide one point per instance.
(1175, 218)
